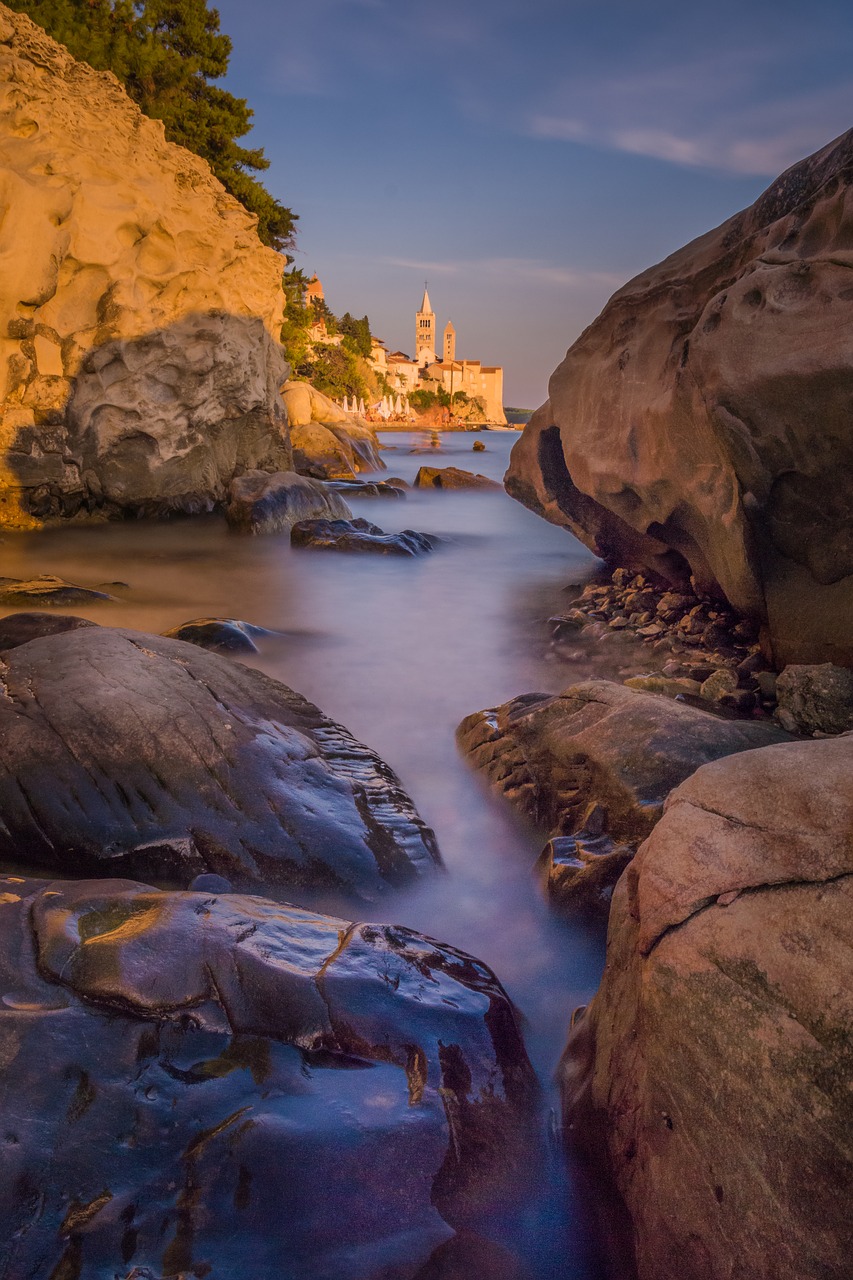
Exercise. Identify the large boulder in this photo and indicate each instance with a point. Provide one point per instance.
(239, 1088)
(702, 423)
(139, 312)
(594, 765)
(600, 743)
(260, 502)
(125, 753)
(711, 1073)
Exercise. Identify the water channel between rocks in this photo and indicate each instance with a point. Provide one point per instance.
(399, 651)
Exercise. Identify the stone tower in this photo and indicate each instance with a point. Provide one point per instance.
(449, 342)
(425, 332)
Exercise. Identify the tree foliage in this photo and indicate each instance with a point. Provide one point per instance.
(166, 53)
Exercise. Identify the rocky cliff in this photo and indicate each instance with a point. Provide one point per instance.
(702, 423)
(138, 366)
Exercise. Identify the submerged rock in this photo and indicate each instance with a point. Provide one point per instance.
(711, 1073)
(135, 754)
(598, 760)
(242, 1088)
(361, 536)
(452, 478)
(220, 635)
(49, 591)
(737, 343)
(260, 502)
(140, 312)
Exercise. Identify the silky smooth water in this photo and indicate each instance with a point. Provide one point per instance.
(400, 650)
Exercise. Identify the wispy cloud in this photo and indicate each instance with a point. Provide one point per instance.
(529, 269)
(708, 112)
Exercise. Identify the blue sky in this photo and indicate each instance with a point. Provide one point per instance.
(525, 158)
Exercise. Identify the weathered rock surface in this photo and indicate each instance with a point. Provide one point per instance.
(712, 1070)
(598, 761)
(327, 442)
(48, 590)
(360, 536)
(260, 502)
(701, 424)
(219, 635)
(134, 754)
(451, 478)
(202, 1114)
(139, 365)
(815, 699)
(600, 743)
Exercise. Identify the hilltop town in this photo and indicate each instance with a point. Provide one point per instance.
(442, 389)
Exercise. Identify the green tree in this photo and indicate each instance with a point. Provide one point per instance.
(335, 371)
(166, 53)
(356, 334)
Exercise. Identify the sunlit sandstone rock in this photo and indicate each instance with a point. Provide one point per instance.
(711, 1073)
(327, 442)
(139, 366)
(702, 422)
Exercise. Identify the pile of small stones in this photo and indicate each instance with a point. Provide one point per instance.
(714, 653)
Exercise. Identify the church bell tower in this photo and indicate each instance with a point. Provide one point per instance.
(425, 332)
(449, 342)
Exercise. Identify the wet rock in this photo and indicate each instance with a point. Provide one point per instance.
(359, 536)
(203, 1045)
(451, 478)
(816, 698)
(740, 338)
(19, 628)
(580, 872)
(478, 446)
(719, 685)
(134, 754)
(327, 452)
(711, 1072)
(220, 635)
(263, 502)
(602, 743)
(47, 591)
(367, 488)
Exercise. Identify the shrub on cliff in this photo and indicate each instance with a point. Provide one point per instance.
(166, 53)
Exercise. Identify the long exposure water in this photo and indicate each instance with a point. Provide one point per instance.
(399, 651)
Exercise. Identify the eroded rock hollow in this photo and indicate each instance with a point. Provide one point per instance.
(139, 312)
(702, 424)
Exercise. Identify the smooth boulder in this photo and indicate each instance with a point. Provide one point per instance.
(20, 628)
(219, 635)
(242, 1088)
(700, 425)
(359, 536)
(264, 502)
(134, 754)
(451, 478)
(710, 1076)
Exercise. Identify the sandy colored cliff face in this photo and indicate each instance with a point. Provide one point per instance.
(138, 367)
(702, 422)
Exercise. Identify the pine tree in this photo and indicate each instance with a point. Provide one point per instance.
(166, 53)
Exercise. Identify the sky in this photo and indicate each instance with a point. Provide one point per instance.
(526, 159)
